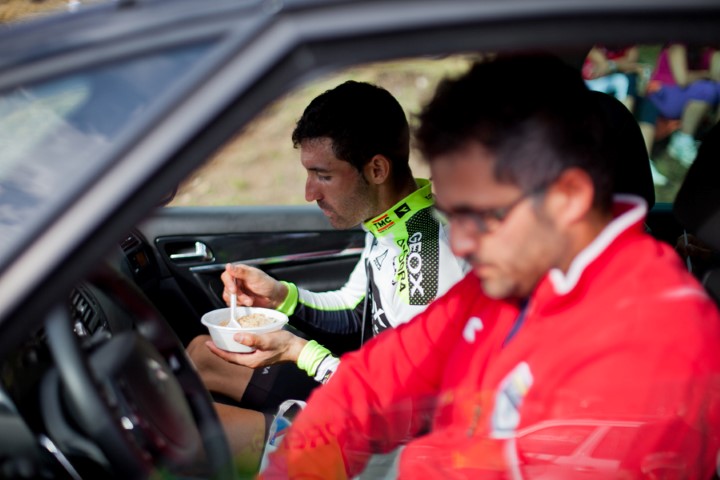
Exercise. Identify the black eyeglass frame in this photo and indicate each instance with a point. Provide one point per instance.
(485, 220)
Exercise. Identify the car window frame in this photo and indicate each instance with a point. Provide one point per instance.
(292, 47)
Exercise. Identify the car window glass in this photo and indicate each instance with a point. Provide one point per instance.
(29, 116)
(55, 134)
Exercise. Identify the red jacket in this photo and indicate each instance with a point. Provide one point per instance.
(614, 371)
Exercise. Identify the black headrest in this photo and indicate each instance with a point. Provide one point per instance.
(632, 164)
(697, 205)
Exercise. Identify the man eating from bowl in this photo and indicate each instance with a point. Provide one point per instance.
(354, 146)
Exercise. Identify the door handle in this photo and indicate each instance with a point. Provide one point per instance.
(197, 252)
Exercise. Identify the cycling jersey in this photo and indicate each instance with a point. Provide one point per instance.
(405, 265)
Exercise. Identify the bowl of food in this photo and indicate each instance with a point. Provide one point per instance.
(250, 320)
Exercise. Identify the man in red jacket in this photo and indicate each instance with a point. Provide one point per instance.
(578, 343)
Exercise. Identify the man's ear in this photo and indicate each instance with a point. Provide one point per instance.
(570, 198)
(377, 170)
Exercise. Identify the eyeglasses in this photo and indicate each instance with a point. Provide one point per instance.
(483, 221)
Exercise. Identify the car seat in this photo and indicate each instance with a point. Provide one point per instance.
(631, 162)
(697, 205)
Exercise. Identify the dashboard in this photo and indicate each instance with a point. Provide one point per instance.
(32, 400)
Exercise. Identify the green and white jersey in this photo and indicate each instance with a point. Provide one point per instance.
(405, 265)
(408, 260)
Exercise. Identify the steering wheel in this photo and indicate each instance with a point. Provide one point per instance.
(137, 396)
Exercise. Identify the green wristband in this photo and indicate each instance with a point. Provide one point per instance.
(288, 305)
(310, 357)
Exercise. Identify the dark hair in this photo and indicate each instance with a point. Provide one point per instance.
(532, 112)
(362, 120)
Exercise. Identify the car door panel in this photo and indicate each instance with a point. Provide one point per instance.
(190, 248)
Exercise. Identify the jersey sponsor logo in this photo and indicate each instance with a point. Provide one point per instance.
(414, 265)
(419, 259)
(378, 261)
(400, 270)
(402, 210)
(508, 400)
(472, 326)
(383, 223)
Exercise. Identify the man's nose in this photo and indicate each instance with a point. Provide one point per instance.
(462, 242)
(312, 193)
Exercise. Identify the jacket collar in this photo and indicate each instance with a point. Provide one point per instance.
(629, 214)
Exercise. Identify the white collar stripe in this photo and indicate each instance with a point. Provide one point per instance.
(563, 283)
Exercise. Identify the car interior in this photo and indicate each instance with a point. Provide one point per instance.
(72, 401)
(696, 208)
(173, 260)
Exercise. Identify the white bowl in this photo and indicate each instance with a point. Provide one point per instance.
(222, 336)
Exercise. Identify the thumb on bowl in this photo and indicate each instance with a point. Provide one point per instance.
(245, 338)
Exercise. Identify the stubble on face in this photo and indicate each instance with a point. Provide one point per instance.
(521, 256)
(337, 187)
(350, 207)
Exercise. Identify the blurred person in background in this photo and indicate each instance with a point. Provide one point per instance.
(684, 86)
(613, 71)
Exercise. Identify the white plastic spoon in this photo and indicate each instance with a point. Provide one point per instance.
(233, 311)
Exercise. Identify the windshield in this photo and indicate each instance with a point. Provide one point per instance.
(55, 134)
